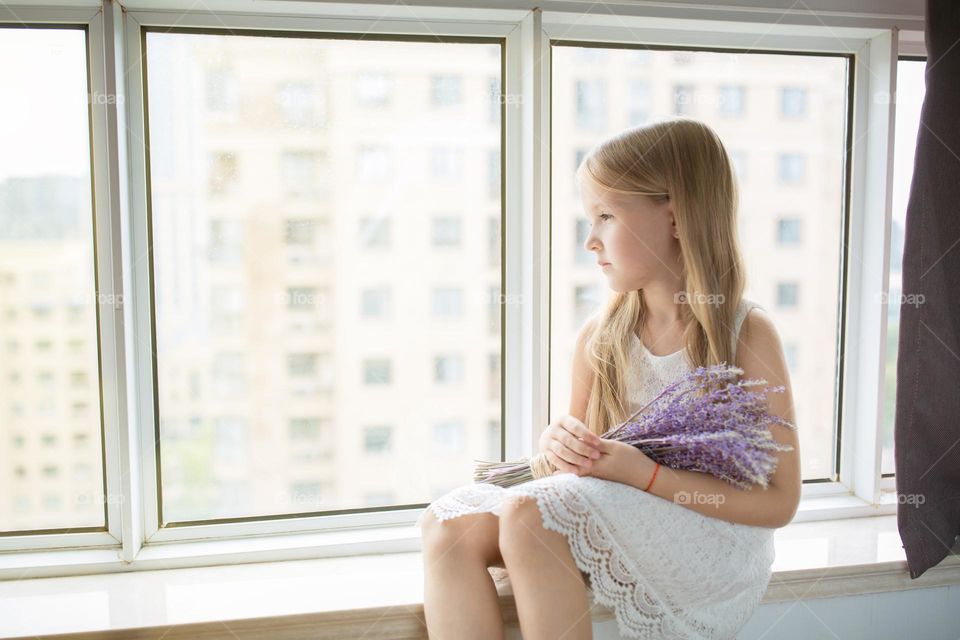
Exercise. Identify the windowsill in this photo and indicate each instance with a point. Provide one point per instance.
(382, 595)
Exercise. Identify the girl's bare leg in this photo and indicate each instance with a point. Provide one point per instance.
(460, 598)
(551, 595)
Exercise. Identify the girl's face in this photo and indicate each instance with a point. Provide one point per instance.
(634, 234)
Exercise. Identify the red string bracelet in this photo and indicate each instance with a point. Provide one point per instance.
(650, 484)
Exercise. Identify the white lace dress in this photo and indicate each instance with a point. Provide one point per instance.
(665, 570)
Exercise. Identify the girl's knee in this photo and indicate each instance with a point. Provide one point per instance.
(464, 537)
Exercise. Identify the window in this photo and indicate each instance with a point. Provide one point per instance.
(302, 257)
(297, 102)
(591, 100)
(739, 161)
(223, 173)
(221, 90)
(300, 365)
(446, 163)
(377, 439)
(788, 231)
(374, 89)
(788, 294)
(305, 428)
(493, 174)
(446, 232)
(375, 233)
(639, 103)
(225, 240)
(732, 100)
(47, 279)
(793, 102)
(376, 371)
(806, 168)
(375, 302)
(683, 99)
(301, 298)
(448, 369)
(445, 90)
(446, 302)
(374, 163)
(579, 242)
(493, 376)
(793, 168)
(448, 437)
(911, 88)
(493, 242)
(299, 173)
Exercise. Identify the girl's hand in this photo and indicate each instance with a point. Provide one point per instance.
(570, 446)
(619, 461)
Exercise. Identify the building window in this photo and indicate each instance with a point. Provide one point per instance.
(374, 163)
(377, 439)
(448, 369)
(732, 100)
(226, 240)
(493, 242)
(229, 379)
(448, 437)
(793, 102)
(793, 167)
(376, 371)
(301, 365)
(582, 232)
(788, 295)
(300, 232)
(591, 103)
(739, 161)
(788, 231)
(374, 233)
(445, 90)
(790, 354)
(639, 103)
(221, 91)
(446, 163)
(298, 173)
(374, 89)
(447, 302)
(304, 428)
(375, 302)
(493, 174)
(296, 103)
(682, 99)
(493, 86)
(223, 173)
(446, 231)
(493, 375)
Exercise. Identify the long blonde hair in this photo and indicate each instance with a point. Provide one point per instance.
(684, 161)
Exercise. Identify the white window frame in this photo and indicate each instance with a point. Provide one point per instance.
(136, 541)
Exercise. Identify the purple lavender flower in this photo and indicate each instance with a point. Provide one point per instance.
(707, 421)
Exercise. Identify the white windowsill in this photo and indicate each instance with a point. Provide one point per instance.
(382, 595)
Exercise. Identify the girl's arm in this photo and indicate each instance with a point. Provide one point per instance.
(760, 355)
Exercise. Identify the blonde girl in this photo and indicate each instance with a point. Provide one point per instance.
(674, 554)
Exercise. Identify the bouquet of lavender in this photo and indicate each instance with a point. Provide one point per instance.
(707, 421)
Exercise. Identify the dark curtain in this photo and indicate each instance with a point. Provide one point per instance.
(927, 428)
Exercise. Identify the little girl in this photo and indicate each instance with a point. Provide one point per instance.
(674, 554)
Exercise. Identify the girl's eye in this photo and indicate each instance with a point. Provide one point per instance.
(604, 216)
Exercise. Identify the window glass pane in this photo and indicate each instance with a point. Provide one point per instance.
(322, 276)
(790, 174)
(910, 91)
(52, 472)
